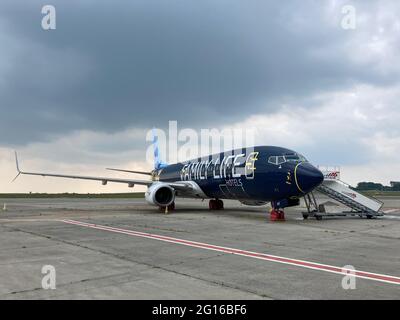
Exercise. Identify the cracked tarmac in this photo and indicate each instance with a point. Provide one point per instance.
(96, 264)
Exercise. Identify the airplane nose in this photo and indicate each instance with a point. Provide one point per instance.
(307, 177)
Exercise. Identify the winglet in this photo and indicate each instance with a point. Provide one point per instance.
(16, 162)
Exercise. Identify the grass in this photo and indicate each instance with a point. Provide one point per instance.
(74, 195)
(378, 193)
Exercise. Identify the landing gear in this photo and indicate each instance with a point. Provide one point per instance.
(168, 208)
(277, 215)
(216, 204)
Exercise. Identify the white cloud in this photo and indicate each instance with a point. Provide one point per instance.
(384, 146)
(354, 129)
(373, 43)
(78, 153)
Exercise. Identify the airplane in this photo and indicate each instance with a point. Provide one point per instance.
(254, 176)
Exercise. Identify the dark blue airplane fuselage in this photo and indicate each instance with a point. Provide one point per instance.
(262, 173)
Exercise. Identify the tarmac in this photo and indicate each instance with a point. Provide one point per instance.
(126, 249)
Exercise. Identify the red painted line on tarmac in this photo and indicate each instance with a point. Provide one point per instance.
(256, 255)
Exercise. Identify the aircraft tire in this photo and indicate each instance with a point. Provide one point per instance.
(212, 204)
(216, 204)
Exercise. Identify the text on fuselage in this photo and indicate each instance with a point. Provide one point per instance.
(232, 166)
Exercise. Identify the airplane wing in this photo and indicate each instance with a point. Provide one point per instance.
(104, 180)
(130, 171)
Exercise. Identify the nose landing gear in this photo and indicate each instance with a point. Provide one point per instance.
(276, 213)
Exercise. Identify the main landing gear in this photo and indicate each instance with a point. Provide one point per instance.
(166, 209)
(216, 204)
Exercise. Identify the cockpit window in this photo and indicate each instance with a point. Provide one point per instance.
(272, 159)
(290, 157)
(280, 159)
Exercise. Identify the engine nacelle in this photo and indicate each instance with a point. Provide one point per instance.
(160, 194)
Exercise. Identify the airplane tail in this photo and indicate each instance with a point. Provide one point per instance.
(158, 163)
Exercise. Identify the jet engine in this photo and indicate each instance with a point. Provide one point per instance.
(160, 194)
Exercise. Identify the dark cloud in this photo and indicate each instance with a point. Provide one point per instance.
(114, 65)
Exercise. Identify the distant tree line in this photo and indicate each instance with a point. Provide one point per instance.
(365, 186)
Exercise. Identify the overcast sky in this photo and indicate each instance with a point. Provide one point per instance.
(82, 97)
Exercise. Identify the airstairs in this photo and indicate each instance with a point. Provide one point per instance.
(340, 191)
